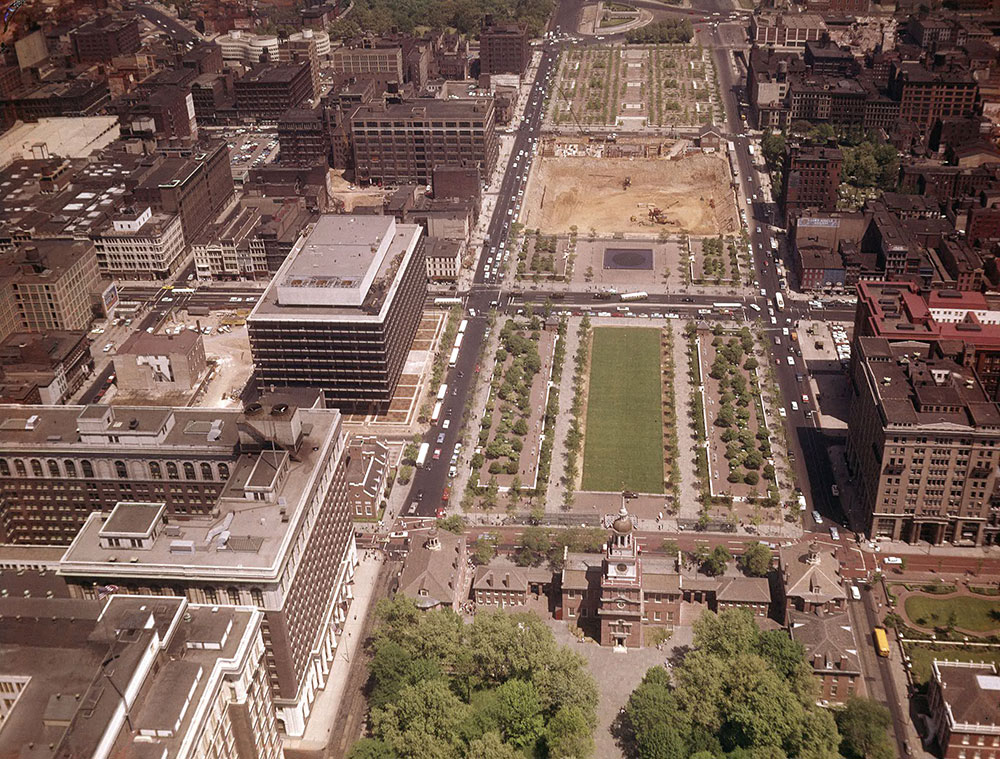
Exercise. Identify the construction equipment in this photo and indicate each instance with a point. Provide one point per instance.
(627, 183)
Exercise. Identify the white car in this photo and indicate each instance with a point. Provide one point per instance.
(892, 560)
(791, 361)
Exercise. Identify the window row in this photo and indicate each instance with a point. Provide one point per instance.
(86, 469)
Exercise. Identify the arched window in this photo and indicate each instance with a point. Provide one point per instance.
(154, 470)
(88, 468)
(223, 472)
(206, 471)
(234, 595)
(188, 470)
(4, 468)
(36, 467)
(256, 597)
(19, 466)
(70, 468)
(121, 470)
(171, 470)
(53, 468)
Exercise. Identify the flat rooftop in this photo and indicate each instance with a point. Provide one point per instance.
(346, 267)
(915, 390)
(76, 656)
(69, 137)
(246, 539)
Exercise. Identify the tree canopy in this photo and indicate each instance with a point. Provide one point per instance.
(739, 693)
(498, 688)
(756, 560)
(465, 16)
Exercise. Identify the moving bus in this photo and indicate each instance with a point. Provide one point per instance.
(634, 296)
(462, 326)
(422, 455)
(437, 412)
(727, 305)
(447, 301)
(454, 357)
(458, 340)
(881, 642)
(779, 302)
(442, 391)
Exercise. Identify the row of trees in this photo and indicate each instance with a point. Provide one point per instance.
(500, 688)
(465, 16)
(747, 694)
(669, 30)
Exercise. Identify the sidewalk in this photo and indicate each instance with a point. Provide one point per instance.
(327, 703)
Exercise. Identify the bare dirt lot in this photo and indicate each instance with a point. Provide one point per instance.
(588, 193)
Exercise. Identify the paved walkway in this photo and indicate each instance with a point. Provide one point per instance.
(687, 441)
(327, 703)
(555, 490)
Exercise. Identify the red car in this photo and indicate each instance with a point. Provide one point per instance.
(437, 453)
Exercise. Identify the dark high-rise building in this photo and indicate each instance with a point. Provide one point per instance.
(267, 91)
(341, 312)
(811, 178)
(195, 184)
(104, 38)
(402, 143)
(303, 137)
(504, 49)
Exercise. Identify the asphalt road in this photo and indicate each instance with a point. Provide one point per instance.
(429, 483)
(169, 25)
(807, 442)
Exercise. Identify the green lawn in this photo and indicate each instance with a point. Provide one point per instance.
(623, 449)
(976, 614)
(922, 657)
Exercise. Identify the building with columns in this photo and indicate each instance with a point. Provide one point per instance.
(227, 508)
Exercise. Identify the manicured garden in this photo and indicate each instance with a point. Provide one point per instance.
(623, 446)
(921, 657)
(964, 612)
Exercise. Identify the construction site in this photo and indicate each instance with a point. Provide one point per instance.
(688, 193)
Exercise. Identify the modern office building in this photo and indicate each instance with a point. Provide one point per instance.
(402, 143)
(786, 30)
(267, 91)
(131, 677)
(240, 46)
(275, 535)
(140, 244)
(341, 312)
(303, 137)
(921, 445)
(504, 49)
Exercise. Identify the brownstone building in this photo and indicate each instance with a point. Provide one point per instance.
(964, 709)
(811, 178)
(926, 95)
(194, 183)
(831, 651)
(921, 444)
(618, 594)
(504, 49)
(104, 38)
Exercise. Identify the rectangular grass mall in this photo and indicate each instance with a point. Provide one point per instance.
(623, 448)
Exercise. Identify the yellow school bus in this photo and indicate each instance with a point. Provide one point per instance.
(881, 642)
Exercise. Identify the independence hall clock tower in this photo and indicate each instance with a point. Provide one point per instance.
(620, 608)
